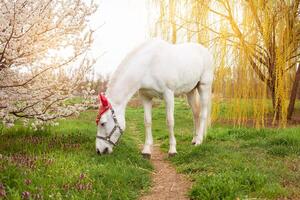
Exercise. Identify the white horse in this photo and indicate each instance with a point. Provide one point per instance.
(157, 69)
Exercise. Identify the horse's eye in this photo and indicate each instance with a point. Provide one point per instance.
(102, 124)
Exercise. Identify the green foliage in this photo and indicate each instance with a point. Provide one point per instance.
(61, 163)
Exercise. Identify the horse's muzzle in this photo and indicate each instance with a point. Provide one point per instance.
(105, 151)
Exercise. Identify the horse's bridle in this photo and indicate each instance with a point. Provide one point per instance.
(117, 126)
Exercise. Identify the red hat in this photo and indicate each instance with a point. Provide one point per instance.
(103, 107)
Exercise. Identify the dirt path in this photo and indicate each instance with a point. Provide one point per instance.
(167, 183)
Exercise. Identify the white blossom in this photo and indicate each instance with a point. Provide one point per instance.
(37, 75)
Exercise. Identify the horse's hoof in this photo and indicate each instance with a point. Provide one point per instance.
(197, 143)
(172, 155)
(146, 155)
(194, 140)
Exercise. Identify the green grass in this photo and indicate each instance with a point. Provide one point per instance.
(61, 163)
(232, 163)
(243, 163)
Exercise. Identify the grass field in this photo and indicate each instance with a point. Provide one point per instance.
(233, 163)
(61, 163)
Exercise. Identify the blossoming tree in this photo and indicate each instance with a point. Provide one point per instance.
(43, 57)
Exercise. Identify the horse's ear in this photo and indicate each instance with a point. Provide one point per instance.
(103, 100)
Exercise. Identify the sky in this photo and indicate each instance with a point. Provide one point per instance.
(125, 26)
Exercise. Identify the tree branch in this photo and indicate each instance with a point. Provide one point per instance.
(43, 71)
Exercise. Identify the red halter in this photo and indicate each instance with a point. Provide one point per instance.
(103, 107)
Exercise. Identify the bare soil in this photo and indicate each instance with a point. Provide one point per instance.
(295, 121)
(167, 183)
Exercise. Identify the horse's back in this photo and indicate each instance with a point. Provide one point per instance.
(178, 67)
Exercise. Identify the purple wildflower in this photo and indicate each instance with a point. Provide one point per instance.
(25, 195)
(2, 190)
(82, 176)
(27, 181)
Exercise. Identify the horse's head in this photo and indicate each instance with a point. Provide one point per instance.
(109, 130)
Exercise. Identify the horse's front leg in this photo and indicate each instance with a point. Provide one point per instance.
(148, 123)
(169, 99)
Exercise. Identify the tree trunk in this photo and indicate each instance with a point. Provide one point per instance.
(276, 103)
(273, 95)
(293, 94)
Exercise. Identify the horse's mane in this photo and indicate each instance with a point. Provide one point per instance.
(120, 69)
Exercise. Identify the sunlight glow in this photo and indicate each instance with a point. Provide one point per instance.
(125, 26)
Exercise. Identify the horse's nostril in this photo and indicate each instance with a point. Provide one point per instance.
(105, 150)
(98, 152)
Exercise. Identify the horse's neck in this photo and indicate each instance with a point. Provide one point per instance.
(125, 84)
(123, 89)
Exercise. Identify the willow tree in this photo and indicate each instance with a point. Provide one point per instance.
(255, 42)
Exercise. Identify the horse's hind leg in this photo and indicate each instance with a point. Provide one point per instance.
(147, 102)
(193, 100)
(169, 99)
(205, 98)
